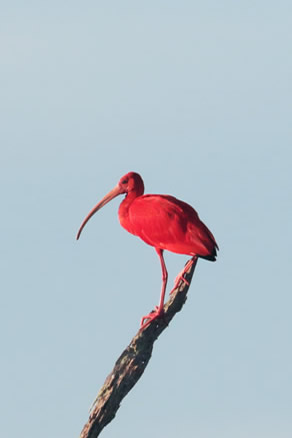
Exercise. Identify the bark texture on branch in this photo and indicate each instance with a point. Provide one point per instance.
(131, 364)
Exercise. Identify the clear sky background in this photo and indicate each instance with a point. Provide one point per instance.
(195, 96)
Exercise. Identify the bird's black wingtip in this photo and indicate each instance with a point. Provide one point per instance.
(211, 257)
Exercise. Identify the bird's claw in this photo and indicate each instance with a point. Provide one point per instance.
(181, 277)
(154, 314)
(177, 281)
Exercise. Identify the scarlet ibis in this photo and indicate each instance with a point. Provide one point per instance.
(161, 221)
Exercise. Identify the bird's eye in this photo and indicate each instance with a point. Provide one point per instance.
(124, 181)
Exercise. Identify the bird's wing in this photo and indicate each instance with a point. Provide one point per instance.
(165, 222)
(161, 220)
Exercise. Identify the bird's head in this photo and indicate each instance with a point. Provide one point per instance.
(129, 183)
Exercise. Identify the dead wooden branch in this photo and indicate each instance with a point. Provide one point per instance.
(131, 364)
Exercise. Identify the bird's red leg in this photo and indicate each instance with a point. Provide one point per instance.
(158, 309)
(181, 277)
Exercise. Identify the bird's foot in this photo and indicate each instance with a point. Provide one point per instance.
(181, 277)
(146, 320)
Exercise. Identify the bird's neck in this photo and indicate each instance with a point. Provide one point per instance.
(124, 210)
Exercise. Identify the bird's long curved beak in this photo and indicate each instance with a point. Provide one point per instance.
(111, 195)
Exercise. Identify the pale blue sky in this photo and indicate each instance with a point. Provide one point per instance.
(195, 96)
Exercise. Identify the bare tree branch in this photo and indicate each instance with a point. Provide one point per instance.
(131, 364)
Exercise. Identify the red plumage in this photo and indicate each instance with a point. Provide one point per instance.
(167, 223)
(162, 221)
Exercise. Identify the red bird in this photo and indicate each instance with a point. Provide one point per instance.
(161, 221)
